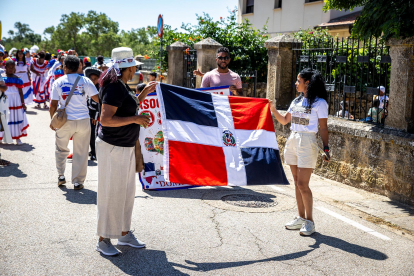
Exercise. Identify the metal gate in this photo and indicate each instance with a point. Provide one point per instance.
(353, 70)
(190, 64)
(249, 82)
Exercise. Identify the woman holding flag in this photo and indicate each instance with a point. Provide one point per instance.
(115, 147)
(306, 113)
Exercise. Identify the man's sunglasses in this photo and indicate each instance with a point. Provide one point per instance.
(223, 58)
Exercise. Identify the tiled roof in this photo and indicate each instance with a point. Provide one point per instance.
(348, 19)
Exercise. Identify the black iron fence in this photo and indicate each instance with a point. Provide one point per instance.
(249, 82)
(354, 71)
(190, 64)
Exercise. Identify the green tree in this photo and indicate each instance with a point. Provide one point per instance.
(67, 34)
(379, 18)
(139, 40)
(102, 33)
(23, 37)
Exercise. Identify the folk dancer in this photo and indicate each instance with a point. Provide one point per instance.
(22, 71)
(38, 67)
(17, 121)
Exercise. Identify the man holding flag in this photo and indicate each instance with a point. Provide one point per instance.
(222, 75)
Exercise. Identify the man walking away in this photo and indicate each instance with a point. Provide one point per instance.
(77, 124)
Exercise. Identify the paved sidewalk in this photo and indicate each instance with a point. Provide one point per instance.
(46, 230)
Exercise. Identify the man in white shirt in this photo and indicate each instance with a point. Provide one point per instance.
(77, 124)
(382, 98)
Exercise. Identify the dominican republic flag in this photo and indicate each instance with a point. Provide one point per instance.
(214, 140)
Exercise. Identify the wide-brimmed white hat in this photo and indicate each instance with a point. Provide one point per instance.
(122, 57)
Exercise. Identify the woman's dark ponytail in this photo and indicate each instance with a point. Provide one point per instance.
(316, 87)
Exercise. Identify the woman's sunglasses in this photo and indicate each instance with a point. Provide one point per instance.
(223, 58)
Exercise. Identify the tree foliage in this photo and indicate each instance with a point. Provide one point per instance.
(140, 40)
(379, 18)
(23, 37)
(246, 44)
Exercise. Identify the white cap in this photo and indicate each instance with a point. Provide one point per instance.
(382, 88)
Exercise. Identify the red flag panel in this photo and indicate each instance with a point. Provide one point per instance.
(251, 113)
(197, 164)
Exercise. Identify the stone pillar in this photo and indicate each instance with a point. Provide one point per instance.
(206, 56)
(280, 70)
(401, 98)
(176, 63)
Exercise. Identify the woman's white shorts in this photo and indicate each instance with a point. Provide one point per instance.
(301, 150)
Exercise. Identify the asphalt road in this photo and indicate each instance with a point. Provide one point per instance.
(46, 230)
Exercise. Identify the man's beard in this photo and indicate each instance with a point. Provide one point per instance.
(225, 67)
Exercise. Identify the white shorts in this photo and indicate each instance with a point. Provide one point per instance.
(301, 150)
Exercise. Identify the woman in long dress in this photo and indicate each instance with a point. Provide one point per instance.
(22, 71)
(39, 69)
(18, 123)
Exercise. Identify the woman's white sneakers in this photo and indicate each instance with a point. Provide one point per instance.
(105, 247)
(306, 227)
(295, 224)
(130, 240)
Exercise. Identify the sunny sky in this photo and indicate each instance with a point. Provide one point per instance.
(129, 14)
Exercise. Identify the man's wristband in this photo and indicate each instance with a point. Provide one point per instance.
(326, 149)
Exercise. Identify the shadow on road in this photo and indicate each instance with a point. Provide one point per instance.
(352, 248)
(83, 196)
(198, 193)
(11, 170)
(23, 147)
(406, 209)
(31, 112)
(213, 266)
(143, 262)
(358, 250)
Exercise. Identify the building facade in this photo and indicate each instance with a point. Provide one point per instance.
(285, 16)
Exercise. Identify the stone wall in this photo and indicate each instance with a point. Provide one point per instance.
(366, 156)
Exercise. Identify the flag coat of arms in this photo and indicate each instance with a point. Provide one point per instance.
(214, 140)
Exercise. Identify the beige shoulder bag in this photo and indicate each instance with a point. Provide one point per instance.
(60, 117)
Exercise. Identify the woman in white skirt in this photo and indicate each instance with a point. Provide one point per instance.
(115, 148)
(17, 109)
(22, 71)
(306, 113)
(39, 70)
